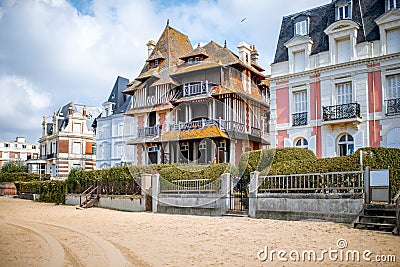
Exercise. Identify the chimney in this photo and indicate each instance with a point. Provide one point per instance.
(254, 55)
(70, 109)
(244, 52)
(55, 122)
(150, 47)
(44, 126)
(84, 111)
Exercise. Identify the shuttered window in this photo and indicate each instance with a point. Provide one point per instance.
(393, 41)
(301, 27)
(299, 61)
(343, 51)
(300, 101)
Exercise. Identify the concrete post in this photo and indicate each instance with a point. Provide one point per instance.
(225, 187)
(366, 185)
(155, 184)
(253, 193)
(145, 184)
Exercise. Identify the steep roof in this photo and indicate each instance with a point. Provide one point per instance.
(169, 47)
(199, 51)
(121, 101)
(323, 16)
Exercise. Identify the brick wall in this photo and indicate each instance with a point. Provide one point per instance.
(89, 148)
(63, 146)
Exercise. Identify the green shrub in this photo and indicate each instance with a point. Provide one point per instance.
(18, 176)
(14, 166)
(50, 191)
(192, 171)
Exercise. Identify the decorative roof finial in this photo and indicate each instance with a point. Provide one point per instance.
(225, 44)
(167, 22)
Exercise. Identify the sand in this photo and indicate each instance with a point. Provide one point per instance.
(42, 234)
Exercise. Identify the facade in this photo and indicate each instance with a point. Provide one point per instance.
(114, 129)
(335, 80)
(17, 150)
(68, 140)
(199, 105)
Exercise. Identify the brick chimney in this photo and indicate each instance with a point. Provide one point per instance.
(150, 47)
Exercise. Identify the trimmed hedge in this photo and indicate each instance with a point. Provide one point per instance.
(192, 171)
(263, 159)
(50, 191)
(18, 176)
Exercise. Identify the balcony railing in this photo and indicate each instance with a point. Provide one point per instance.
(222, 124)
(341, 112)
(299, 119)
(393, 106)
(149, 131)
(51, 156)
(192, 89)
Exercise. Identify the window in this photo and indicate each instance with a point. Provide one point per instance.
(196, 59)
(346, 145)
(392, 4)
(343, 12)
(190, 60)
(299, 61)
(77, 148)
(156, 63)
(77, 127)
(203, 145)
(222, 144)
(393, 86)
(185, 146)
(299, 116)
(343, 51)
(393, 95)
(5, 155)
(344, 93)
(6, 145)
(302, 143)
(393, 41)
(24, 146)
(301, 28)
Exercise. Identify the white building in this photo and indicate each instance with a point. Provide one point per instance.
(114, 129)
(17, 150)
(335, 80)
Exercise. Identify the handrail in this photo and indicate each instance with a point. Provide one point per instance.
(396, 201)
(83, 193)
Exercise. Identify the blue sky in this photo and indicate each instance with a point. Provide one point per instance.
(56, 51)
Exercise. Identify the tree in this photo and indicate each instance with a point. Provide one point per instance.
(14, 166)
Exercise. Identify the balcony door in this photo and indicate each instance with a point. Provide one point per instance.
(344, 94)
(152, 119)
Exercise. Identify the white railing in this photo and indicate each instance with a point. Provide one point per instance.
(332, 182)
(190, 186)
(192, 89)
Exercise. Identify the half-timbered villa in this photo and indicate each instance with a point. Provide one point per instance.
(202, 105)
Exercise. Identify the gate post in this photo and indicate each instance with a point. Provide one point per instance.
(155, 185)
(253, 193)
(225, 188)
(366, 185)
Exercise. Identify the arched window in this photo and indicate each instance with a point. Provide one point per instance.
(346, 145)
(301, 143)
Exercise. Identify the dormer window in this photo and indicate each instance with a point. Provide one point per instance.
(190, 61)
(301, 28)
(196, 59)
(392, 4)
(156, 63)
(343, 10)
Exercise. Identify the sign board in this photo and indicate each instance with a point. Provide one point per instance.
(379, 178)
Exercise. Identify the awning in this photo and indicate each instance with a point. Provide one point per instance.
(205, 132)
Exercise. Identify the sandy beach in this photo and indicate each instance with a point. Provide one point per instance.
(41, 234)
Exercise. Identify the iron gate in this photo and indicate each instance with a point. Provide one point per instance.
(238, 196)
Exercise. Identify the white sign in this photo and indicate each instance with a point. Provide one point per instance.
(379, 178)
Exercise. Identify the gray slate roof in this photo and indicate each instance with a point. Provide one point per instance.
(323, 16)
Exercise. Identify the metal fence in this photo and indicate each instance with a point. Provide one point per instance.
(331, 182)
(199, 186)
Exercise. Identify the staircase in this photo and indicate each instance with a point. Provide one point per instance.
(377, 217)
(89, 197)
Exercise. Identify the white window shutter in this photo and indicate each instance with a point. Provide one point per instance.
(312, 144)
(343, 51)
(299, 61)
(330, 145)
(393, 41)
(358, 140)
(393, 138)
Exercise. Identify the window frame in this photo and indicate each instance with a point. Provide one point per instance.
(346, 143)
(351, 94)
(301, 28)
(343, 8)
(303, 143)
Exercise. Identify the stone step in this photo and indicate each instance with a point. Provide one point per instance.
(237, 213)
(375, 225)
(378, 217)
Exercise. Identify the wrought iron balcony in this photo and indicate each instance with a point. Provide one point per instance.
(299, 119)
(341, 112)
(51, 156)
(149, 131)
(393, 106)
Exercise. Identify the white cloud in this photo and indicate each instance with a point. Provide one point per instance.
(75, 57)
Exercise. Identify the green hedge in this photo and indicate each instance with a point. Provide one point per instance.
(263, 159)
(18, 176)
(50, 191)
(192, 171)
